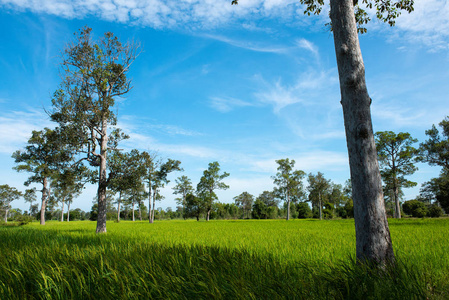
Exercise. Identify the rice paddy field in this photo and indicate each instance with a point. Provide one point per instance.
(241, 259)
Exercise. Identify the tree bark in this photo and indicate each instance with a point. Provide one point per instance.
(62, 211)
(288, 207)
(149, 201)
(152, 210)
(118, 205)
(44, 200)
(133, 210)
(68, 212)
(6, 215)
(397, 207)
(320, 205)
(373, 242)
(102, 184)
(207, 215)
(140, 210)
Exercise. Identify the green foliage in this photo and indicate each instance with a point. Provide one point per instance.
(209, 182)
(244, 201)
(303, 210)
(435, 150)
(267, 259)
(349, 207)
(434, 211)
(386, 10)
(415, 208)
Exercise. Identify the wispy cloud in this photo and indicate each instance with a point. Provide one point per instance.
(155, 13)
(428, 24)
(227, 104)
(248, 45)
(310, 161)
(303, 90)
(16, 128)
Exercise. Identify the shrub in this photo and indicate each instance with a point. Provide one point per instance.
(435, 211)
(304, 211)
(415, 208)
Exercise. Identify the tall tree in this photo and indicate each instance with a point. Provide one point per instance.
(319, 191)
(210, 181)
(183, 187)
(7, 195)
(44, 156)
(373, 241)
(396, 157)
(94, 74)
(30, 196)
(435, 151)
(245, 202)
(289, 182)
(159, 180)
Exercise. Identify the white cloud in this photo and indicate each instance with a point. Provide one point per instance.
(303, 90)
(227, 104)
(16, 128)
(155, 13)
(428, 24)
(257, 47)
(311, 161)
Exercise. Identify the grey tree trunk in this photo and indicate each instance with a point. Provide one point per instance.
(118, 205)
(397, 207)
(140, 211)
(44, 200)
(149, 201)
(62, 211)
(321, 205)
(68, 211)
(152, 210)
(288, 207)
(133, 210)
(102, 182)
(207, 215)
(373, 242)
(6, 215)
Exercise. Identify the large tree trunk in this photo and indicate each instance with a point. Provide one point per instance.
(152, 210)
(207, 215)
(44, 200)
(397, 207)
(68, 211)
(133, 210)
(102, 182)
(140, 210)
(320, 205)
(6, 215)
(62, 211)
(118, 205)
(149, 201)
(288, 208)
(373, 242)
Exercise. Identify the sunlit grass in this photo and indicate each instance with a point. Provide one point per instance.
(218, 259)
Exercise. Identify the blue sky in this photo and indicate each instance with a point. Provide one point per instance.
(242, 85)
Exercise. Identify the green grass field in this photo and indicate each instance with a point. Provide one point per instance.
(244, 259)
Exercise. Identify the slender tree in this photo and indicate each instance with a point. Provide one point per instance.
(94, 75)
(435, 151)
(159, 180)
(7, 195)
(183, 187)
(289, 182)
(30, 197)
(245, 202)
(210, 181)
(319, 191)
(44, 156)
(396, 157)
(373, 241)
